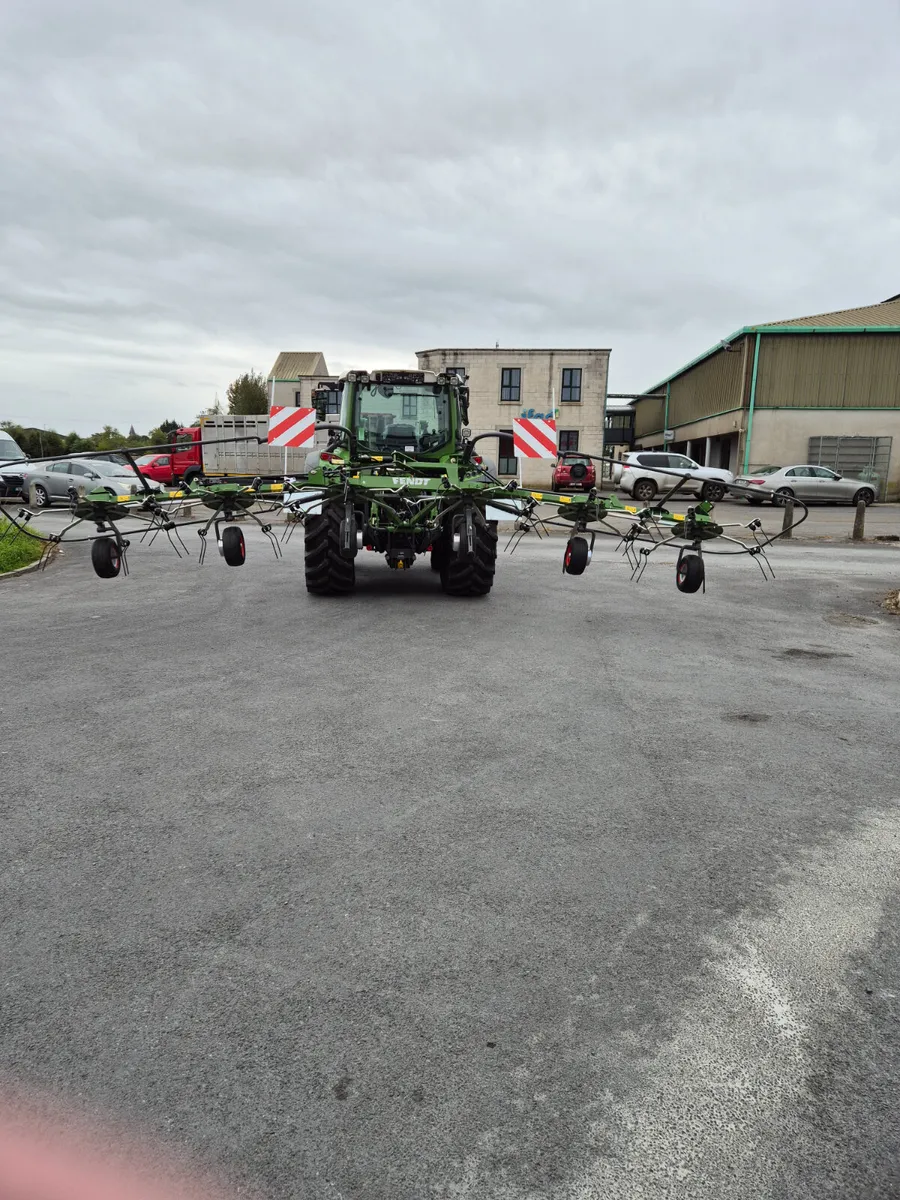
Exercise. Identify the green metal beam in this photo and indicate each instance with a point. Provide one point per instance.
(666, 417)
(751, 406)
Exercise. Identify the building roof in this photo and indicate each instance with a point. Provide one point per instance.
(883, 317)
(516, 350)
(291, 364)
(887, 313)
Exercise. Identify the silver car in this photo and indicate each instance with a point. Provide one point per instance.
(46, 482)
(808, 483)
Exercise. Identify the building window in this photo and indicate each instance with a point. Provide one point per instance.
(511, 385)
(568, 440)
(410, 407)
(460, 372)
(571, 385)
(507, 463)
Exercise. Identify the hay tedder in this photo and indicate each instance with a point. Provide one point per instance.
(400, 477)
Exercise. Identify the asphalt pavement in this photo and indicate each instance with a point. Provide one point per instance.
(586, 889)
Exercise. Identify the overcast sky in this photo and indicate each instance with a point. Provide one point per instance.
(189, 187)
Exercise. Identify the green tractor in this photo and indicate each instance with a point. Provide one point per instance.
(399, 477)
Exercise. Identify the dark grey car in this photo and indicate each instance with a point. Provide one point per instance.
(47, 483)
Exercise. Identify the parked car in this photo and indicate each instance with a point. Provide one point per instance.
(808, 483)
(12, 483)
(644, 473)
(157, 467)
(573, 471)
(49, 481)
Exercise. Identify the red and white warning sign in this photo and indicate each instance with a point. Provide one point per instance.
(292, 426)
(534, 437)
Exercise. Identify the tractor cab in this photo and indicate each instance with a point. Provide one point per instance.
(416, 413)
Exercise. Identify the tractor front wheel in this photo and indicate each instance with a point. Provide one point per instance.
(328, 573)
(464, 576)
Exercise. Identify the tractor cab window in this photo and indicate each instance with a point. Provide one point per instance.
(403, 418)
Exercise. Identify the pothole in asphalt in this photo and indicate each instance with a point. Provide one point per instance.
(750, 718)
(850, 620)
(800, 652)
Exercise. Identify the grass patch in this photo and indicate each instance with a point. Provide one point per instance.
(16, 551)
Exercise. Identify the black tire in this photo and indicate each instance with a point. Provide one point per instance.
(866, 495)
(439, 554)
(781, 496)
(644, 489)
(328, 573)
(577, 556)
(40, 497)
(690, 573)
(713, 492)
(105, 558)
(190, 475)
(472, 576)
(234, 551)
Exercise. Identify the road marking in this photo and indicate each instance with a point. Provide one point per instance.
(720, 1115)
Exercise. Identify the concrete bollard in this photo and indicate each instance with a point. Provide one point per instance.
(859, 522)
(788, 519)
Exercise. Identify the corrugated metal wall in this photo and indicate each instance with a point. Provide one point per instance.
(712, 386)
(834, 370)
(649, 415)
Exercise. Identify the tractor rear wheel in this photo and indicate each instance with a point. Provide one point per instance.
(328, 573)
(462, 576)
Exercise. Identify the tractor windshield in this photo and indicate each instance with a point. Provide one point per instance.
(407, 418)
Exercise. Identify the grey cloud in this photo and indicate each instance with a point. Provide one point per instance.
(190, 187)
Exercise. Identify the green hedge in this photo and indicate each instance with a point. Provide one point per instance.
(16, 551)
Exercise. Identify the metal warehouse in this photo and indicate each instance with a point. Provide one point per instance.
(822, 389)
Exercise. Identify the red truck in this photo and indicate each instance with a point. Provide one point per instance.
(216, 449)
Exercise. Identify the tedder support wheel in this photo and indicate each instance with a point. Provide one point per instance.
(233, 549)
(328, 573)
(690, 573)
(106, 558)
(463, 576)
(577, 556)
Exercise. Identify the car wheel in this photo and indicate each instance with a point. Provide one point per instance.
(644, 489)
(40, 497)
(690, 573)
(712, 491)
(782, 496)
(866, 495)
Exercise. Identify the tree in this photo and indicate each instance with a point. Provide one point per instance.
(214, 410)
(248, 394)
(163, 434)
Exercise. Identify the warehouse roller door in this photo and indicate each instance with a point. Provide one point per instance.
(865, 458)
